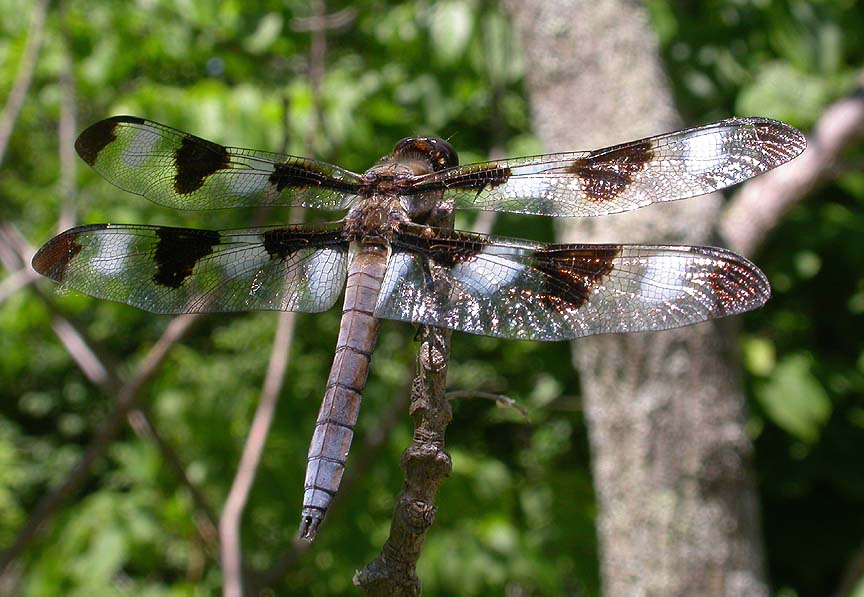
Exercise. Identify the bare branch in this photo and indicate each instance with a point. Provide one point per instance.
(426, 465)
(14, 249)
(238, 495)
(485, 220)
(79, 347)
(66, 134)
(25, 74)
(141, 422)
(762, 202)
(500, 399)
(229, 525)
(336, 21)
(15, 282)
(81, 352)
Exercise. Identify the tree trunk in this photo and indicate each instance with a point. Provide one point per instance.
(678, 512)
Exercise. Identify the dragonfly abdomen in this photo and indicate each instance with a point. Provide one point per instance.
(334, 429)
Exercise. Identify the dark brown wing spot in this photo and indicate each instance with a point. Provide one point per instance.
(280, 243)
(573, 273)
(53, 258)
(450, 253)
(480, 179)
(302, 176)
(447, 250)
(607, 172)
(467, 178)
(197, 159)
(97, 136)
(497, 176)
(177, 252)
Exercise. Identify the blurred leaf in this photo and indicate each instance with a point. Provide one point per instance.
(451, 23)
(782, 92)
(760, 355)
(501, 53)
(794, 399)
(268, 31)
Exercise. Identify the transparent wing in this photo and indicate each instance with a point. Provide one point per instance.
(623, 177)
(509, 288)
(179, 170)
(180, 270)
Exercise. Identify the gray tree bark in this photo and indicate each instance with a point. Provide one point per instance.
(678, 511)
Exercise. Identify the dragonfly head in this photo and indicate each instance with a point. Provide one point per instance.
(437, 152)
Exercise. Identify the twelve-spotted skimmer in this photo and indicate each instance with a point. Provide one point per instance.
(397, 257)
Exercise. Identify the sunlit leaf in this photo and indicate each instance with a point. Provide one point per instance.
(794, 399)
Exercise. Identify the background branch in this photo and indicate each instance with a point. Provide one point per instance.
(66, 129)
(762, 202)
(24, 76)
(250, 459)
(499, 399)
(235, 504)
(79, 348)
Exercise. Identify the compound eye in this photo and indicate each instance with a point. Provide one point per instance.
(444, 156)
(438, 152)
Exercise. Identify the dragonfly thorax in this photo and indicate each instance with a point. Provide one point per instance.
(375, 219)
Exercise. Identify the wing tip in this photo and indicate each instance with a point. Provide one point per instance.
(782, 138)
(746, 288)
(52, 258)
(100, 134)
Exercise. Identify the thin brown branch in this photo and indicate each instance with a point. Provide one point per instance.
(238, 495)
(499, 399)
(762, 202)
(426, 465)
(338, 20)
(24, 77)
(80, 351)
(79, 347)
(14, 250)
(485, 221)
(141, 422)
(14, 253)
(317, 66)
(16, 281)
(66, 133)
(229, 525)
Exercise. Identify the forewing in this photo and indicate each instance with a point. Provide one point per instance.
(179, 170)
(180, 270)
(623, 177)
(509, 288)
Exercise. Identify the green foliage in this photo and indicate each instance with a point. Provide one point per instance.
(517, 514)
(794, 399)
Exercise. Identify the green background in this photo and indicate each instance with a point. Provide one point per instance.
(518, 511)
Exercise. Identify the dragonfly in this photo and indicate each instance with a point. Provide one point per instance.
(396, 255)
